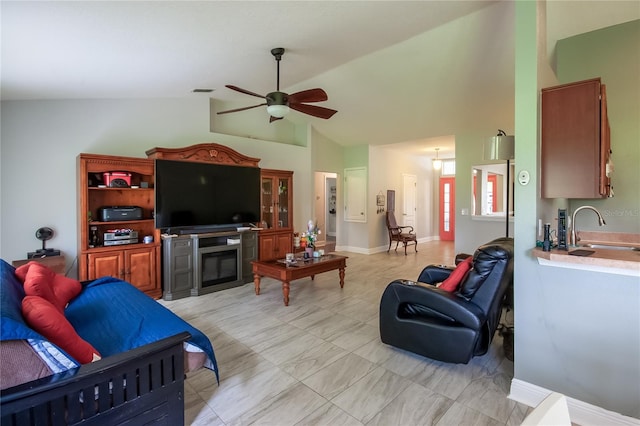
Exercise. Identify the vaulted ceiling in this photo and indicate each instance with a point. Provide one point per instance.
(397, 71)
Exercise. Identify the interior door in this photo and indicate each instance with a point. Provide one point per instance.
(409, 184)
(447, 208)
(355, 194)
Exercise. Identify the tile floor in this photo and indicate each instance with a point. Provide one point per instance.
(320, 361)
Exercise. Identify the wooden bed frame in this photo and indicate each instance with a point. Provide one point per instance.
(140, 386)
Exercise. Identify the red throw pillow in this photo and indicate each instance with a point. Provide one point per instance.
(47, 320)
(42, 281)
(455, 278)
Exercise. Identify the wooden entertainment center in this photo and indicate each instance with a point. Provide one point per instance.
(137, 263)
(141, 263)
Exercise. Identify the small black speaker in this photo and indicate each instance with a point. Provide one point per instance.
(546, 243)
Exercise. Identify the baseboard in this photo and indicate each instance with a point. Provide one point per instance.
(581, 413)
(353, 249)
(381, 249)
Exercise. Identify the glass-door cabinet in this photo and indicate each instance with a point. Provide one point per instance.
(276, 199)
(276, 238)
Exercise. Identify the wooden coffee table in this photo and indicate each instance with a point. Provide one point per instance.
(280, 270)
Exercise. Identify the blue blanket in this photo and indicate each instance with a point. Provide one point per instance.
(114, 317)
(12, 324)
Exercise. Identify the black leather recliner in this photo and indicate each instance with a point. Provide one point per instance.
(450, 327)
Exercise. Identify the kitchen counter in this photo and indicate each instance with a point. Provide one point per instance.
(608, 260)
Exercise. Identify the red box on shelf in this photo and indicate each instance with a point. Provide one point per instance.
(117, 179)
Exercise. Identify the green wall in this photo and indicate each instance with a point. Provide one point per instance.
(576, 331)
(356, 156)
(613, 54)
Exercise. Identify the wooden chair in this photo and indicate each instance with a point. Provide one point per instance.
(399, 235)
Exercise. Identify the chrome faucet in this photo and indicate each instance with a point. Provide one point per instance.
(574, 239)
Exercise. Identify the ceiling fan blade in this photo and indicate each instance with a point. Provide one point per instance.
(313, 110)
(246, 92)
(311, 95)
(240, 109)
(272, 118)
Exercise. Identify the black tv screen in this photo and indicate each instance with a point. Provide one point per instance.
(191, 194)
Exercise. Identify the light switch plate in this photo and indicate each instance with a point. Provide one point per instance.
(523, 177)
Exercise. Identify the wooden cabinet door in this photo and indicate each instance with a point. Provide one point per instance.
(572, 155)
(275, 246)
(284, 245)
(141, 268)
(267, 247)
(276, 200)
(109, 264)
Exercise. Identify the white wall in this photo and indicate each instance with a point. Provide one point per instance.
(386, 167)
(41, 140)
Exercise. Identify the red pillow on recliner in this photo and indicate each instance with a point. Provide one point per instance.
(39, 280)
(452, 283)
(46, 319)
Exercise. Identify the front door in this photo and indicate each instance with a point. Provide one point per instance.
(447, 208)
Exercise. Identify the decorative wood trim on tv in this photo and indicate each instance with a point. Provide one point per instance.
(204, 153)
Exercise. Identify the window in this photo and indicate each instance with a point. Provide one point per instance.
(448, 167)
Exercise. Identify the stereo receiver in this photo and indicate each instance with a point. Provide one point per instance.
(120, 234)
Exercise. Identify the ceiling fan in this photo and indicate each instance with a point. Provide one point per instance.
(278, 103)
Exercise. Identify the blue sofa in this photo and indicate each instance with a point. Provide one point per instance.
(140, 378)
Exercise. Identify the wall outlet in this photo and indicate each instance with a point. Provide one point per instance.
(464, 212)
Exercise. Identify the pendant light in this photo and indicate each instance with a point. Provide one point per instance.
(437, 163)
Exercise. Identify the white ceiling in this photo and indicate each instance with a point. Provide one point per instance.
(397, 71)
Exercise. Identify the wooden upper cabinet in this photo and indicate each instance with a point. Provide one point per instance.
(575, 141)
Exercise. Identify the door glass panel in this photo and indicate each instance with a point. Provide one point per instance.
(283, 203)
(447, 207)
(267, 203)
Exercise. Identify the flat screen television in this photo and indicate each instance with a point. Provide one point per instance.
(192, 195)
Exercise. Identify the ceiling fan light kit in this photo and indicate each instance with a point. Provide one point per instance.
(279, 103)
(278, 111)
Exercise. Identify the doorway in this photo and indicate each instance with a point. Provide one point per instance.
(447, 208)
(325, 206)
